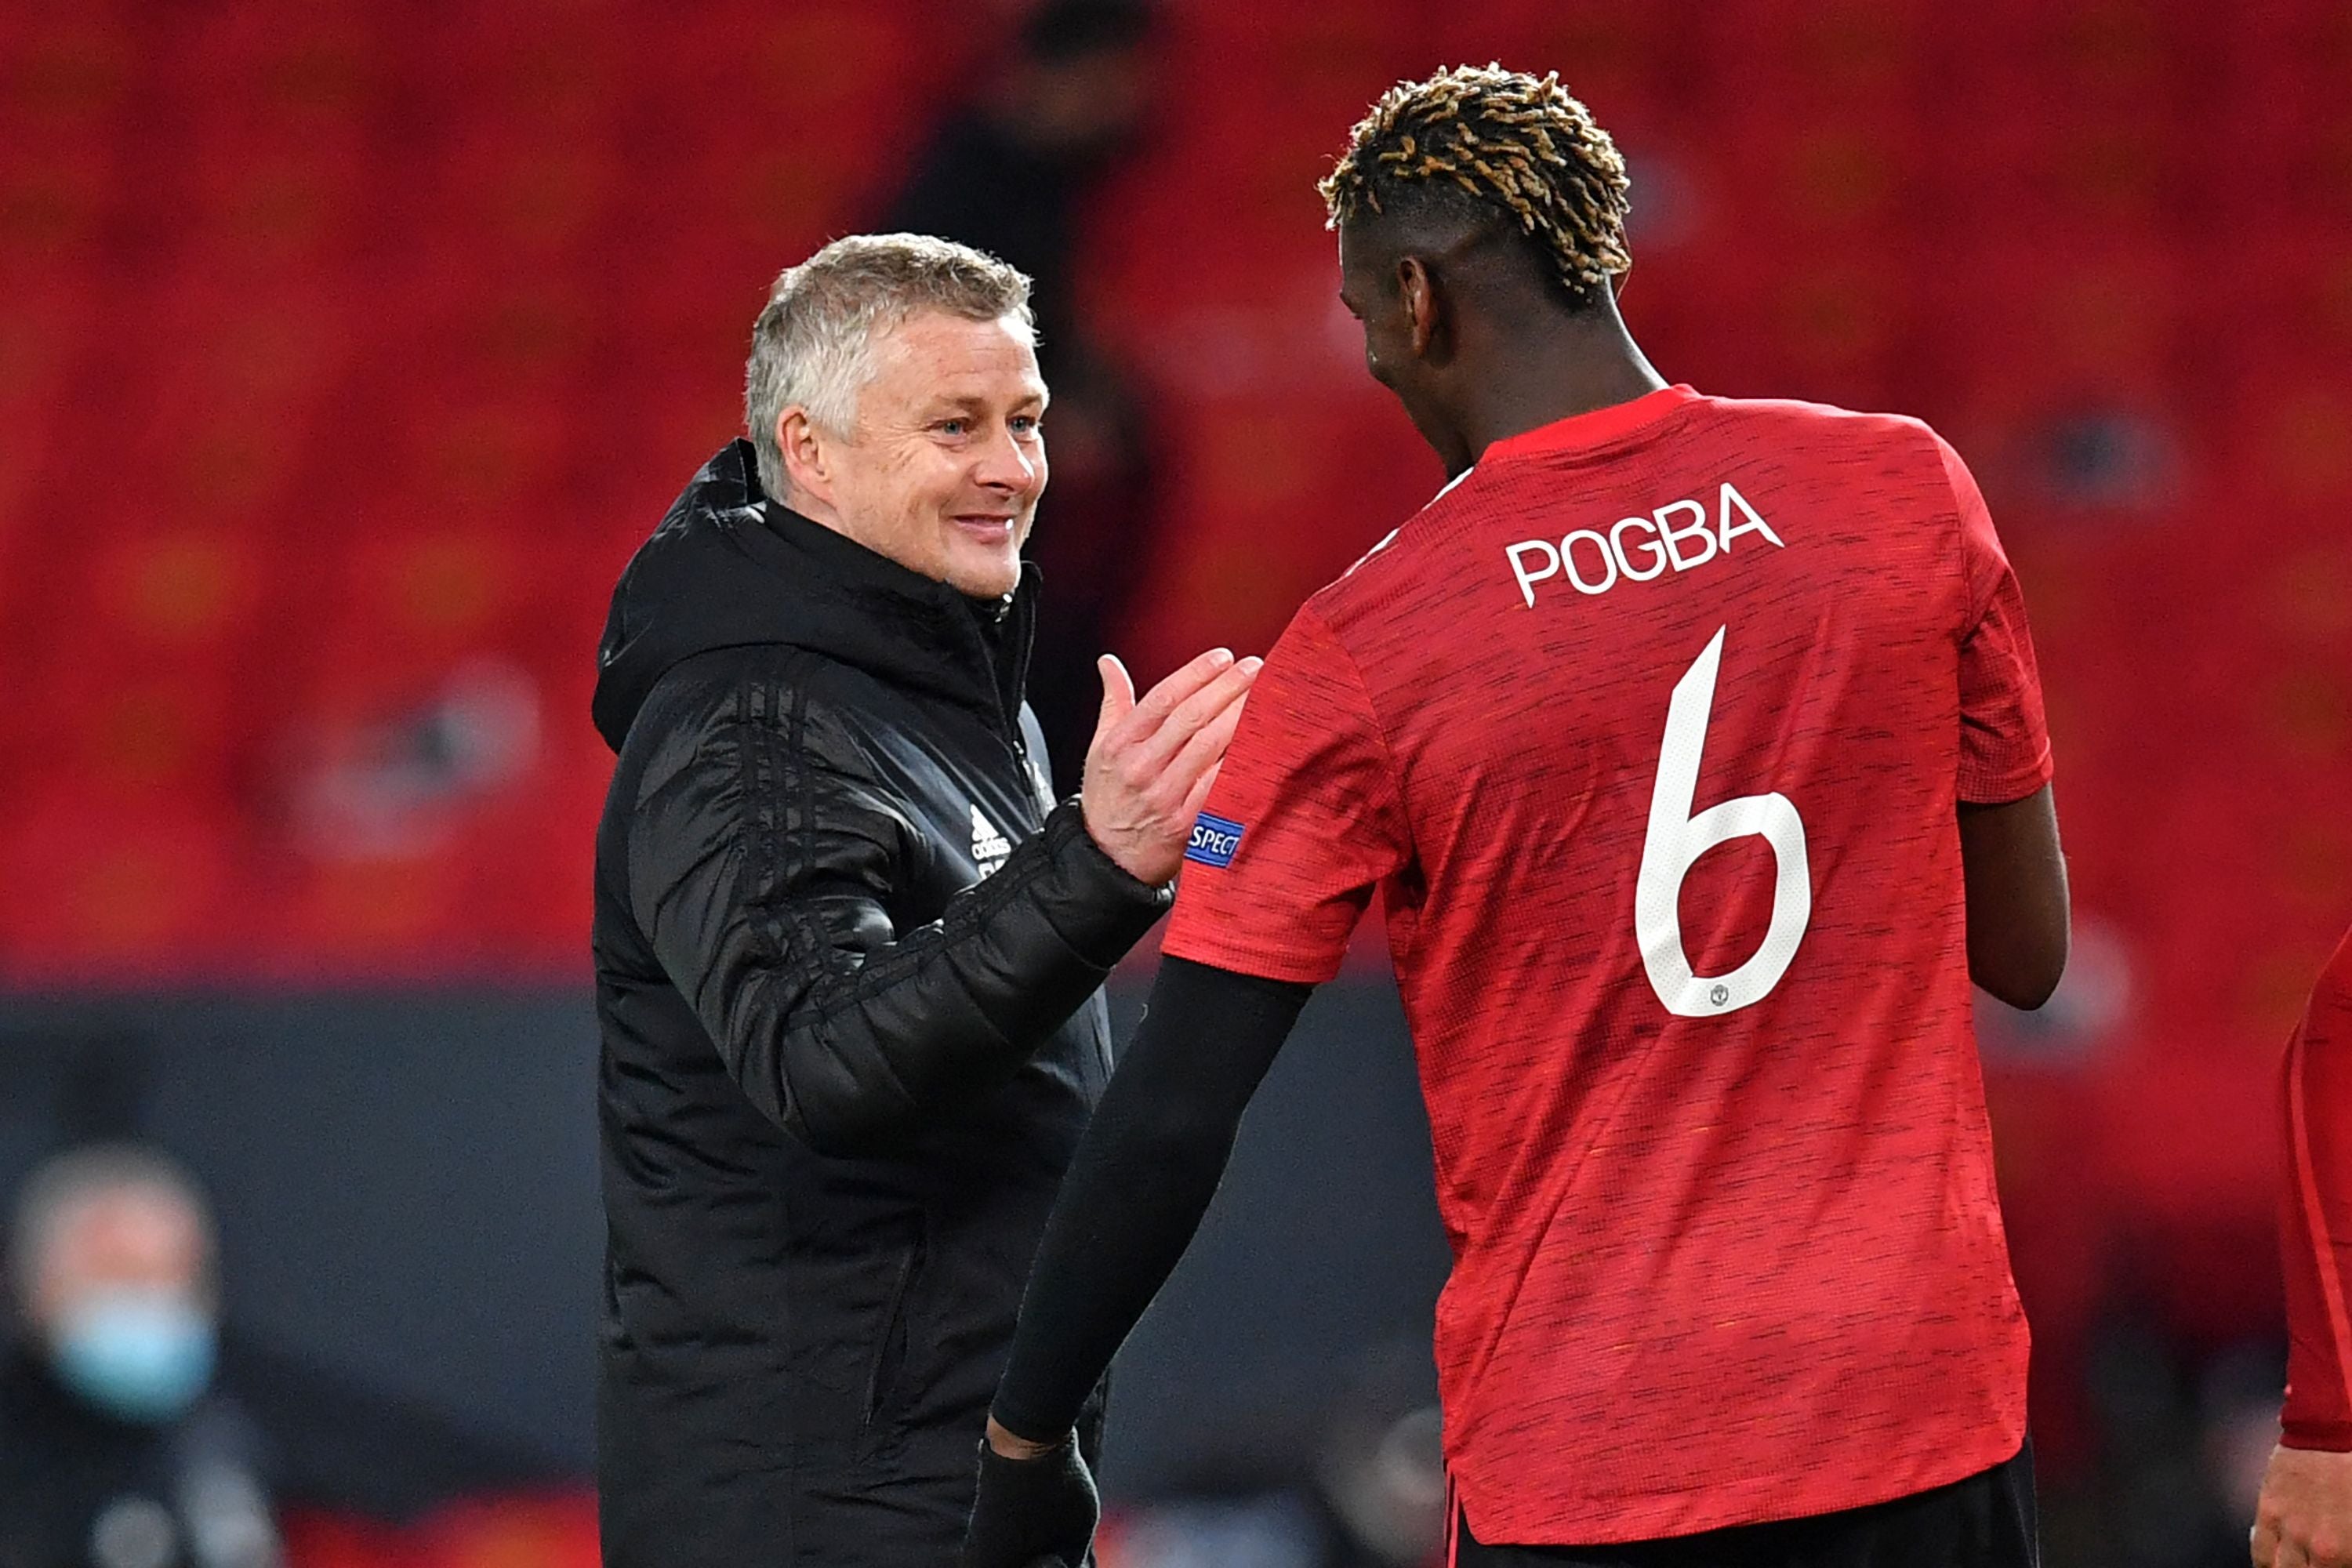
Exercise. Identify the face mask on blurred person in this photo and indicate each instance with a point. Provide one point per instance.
(141, 1355)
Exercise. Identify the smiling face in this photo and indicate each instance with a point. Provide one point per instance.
(942, 470)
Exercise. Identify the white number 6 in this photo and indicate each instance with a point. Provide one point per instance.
(1676, 838)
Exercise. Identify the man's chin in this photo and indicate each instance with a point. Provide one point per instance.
(988, 577)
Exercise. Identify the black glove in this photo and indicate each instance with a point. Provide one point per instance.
(1033, 1513)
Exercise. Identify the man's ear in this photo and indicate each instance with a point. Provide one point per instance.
(808, 464)
(1417, 293)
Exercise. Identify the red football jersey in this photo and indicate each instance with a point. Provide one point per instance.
(1650, 730)
(2316, 1214)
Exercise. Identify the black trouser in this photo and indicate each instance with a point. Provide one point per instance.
(1984, 1522)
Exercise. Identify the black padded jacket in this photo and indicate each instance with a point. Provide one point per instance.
(848, 953)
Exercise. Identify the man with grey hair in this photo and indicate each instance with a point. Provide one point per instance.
(849, 947)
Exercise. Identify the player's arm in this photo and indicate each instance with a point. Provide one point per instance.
(2304, 1514)
(2015, 876)
(1307, 817)
(1128, 1210)
(1139, 1182)
(1141, 1179)
(2018, 910)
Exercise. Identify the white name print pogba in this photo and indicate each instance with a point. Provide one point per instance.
(1635, 549)
(990, 849)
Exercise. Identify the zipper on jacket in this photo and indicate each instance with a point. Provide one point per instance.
(1008, 673)
(894, 1333)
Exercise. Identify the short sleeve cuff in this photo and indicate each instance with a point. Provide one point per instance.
(2327, 1437)
(1245, 958)
(1991, 785)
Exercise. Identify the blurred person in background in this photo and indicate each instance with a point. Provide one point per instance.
(1729, 1279)
(849, 947)
(2303, 1518)
(116, 1451)
(1010, 173)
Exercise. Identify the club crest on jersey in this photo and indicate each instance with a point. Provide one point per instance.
(1214, 841)
(1635, 549)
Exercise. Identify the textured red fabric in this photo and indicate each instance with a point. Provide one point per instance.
(2316, 1214)
(1734, 1256)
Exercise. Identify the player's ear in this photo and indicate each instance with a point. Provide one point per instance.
(1417, 293)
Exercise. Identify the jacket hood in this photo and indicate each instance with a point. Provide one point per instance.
(730, 568)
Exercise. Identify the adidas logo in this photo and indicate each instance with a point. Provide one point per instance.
(990, 849)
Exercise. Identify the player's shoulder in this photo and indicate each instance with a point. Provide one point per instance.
(1412, 572)
(1897, 454)
(1399, 566)
(1782, 418)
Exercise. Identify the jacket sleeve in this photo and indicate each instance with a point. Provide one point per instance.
(760, 869)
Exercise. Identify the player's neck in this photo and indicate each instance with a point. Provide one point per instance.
(1574, 364)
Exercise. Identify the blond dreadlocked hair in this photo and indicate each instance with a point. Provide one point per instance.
(1515, 143)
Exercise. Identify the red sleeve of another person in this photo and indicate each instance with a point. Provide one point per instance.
(2315, 1216)
(1305, 820)
(2004, 740)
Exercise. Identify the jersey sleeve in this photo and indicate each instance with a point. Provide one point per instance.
(1305, 819)
(2315, 1216)
(2005, 738)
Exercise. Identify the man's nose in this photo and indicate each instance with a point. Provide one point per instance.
(1005, 465)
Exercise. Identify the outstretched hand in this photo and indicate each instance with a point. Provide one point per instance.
(1152, 762)
(1033, 1512)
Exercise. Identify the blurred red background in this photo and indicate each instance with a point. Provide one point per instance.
(347, 350)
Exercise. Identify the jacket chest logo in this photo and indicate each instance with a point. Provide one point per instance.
(990, 848)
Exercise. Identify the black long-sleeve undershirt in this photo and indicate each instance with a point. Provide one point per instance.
(1139, 1182)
